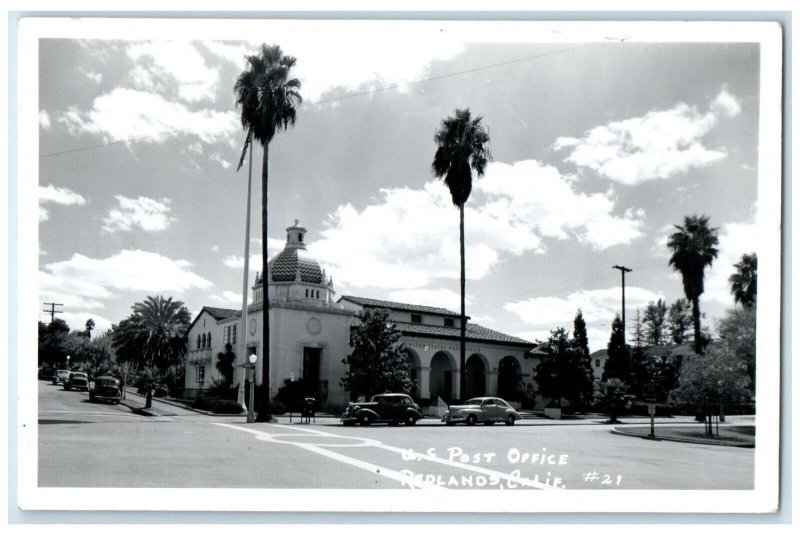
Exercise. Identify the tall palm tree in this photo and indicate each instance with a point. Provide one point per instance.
(461, 147)
(694, 246)
(268, 99)
(743, 282)
(162, 326)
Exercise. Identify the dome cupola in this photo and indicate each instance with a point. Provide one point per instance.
(294, 263)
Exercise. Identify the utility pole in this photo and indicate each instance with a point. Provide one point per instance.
(53, 310)
(623, 270)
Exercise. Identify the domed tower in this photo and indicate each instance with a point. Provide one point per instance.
(294, 275)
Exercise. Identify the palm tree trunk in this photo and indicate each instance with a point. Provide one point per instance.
(698, 341)
(463, 336)
(265, 318)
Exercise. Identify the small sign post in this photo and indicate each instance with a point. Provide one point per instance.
(651, 410)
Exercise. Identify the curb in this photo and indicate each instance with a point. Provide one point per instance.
(705, 442)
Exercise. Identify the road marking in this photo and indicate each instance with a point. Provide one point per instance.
(522, 481)
(358, 463)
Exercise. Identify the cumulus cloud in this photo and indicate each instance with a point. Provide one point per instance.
(274, 246)
(393, 59)
(409, 237)
(227, 298)
(543, 200)
(657, 145)
(129, 114)
(94, 76)
(56, 195)
(44, 120)
(84, 282)
(164, 64)
(148, 214)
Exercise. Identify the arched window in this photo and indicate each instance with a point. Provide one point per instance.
(204, 340)
(209, 339)
(198, 342)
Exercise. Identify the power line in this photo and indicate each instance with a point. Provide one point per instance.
(336, 99)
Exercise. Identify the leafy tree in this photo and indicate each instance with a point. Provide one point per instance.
(614, 391)
(53, 343)
(737, 331)
(89, 327)
(268, 98)
(694, 246)
(561, 372)
(378, 361)
(618, 364)
(655, 315)
(716, 379)
(224, 365)
(461, 147)
(580, 340)
(679, 320)
(744, 281)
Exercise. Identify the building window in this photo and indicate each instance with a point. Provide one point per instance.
(233, 335)
(317, 294)
(204, 340)
(448, 322)
(416, 318)
(226, 335)
(596, 363)
(306, 292)
(200, 375)
(209, 339)
(198, 342)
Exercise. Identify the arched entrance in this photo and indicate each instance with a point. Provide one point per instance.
(509, 371)
(475, 377)
(441, 380)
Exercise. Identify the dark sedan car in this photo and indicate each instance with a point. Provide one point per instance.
(383, 408)
(77, 381)
(106, 388)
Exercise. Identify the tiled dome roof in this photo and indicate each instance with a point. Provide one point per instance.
(283, 268)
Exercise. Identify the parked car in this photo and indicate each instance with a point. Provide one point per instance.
(78, 381)
(484, 410)
(106, 388)
(46, 373)
(383, 408)
(60, 376)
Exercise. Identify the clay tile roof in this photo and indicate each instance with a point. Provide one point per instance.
(393, 305)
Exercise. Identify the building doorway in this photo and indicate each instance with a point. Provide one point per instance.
(311, 369)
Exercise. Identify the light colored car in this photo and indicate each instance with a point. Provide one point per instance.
(60, 376)
(484, 410)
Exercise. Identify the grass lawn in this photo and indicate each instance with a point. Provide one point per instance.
(740, 435)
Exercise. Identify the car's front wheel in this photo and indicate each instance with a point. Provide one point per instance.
(510, 419)
(365, 419)
(472, 419)
(411, 419)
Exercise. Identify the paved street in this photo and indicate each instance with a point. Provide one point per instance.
(84, 444)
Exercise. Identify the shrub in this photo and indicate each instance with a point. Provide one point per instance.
(219, 406)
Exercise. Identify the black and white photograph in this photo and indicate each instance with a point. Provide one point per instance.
(319, 265)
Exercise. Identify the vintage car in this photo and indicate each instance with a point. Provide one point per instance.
(383, 408)
(106, 388)
(481, 410)
(77, 380)
(60, 376)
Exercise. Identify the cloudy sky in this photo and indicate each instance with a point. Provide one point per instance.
(598, 149)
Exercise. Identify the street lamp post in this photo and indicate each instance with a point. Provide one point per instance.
(251, 376)
(67, 362)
